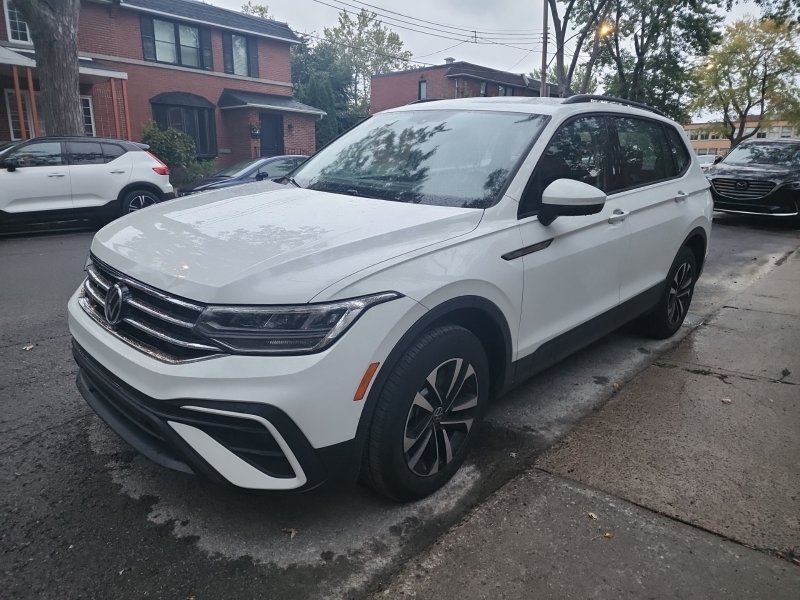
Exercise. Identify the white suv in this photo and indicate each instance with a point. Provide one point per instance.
(73, 177)
(360, 320)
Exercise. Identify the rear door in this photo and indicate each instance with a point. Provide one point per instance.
(653, 185)
(572, 266)
(41, 181)
(99, 171)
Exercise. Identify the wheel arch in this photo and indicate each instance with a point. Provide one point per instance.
(697, 242)
(140, 185)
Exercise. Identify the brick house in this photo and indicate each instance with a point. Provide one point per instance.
(222, 77)
(454, 79)
(706, 138)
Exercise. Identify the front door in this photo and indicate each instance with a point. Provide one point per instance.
(271, 134)
(40, 181)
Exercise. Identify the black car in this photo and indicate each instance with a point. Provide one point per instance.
(759, 177)
(247, 171)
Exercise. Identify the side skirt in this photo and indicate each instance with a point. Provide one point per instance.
(583, 335)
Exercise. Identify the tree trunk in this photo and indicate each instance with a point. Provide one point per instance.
(53, 25)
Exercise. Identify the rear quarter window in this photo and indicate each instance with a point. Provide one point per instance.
(112, 152)
(677, 147)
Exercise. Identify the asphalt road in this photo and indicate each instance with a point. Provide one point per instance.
(83, 516)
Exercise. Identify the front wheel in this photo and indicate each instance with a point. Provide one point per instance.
(137, 200)
(426, 414)
(668, 315)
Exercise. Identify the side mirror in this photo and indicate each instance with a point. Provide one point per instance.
(10, 164)
(717, 159)
(262, 175)
(570, 198)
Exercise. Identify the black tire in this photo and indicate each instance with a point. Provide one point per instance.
(402, 472)
(137, 199)
(668, 315)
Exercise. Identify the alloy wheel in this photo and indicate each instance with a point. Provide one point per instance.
(140, 201)
(680, 294)
(440, 417)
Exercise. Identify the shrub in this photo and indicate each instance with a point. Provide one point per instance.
(172, 146)
(194, 171)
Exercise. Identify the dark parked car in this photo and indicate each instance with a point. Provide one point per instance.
(247, 171)
(759, 177)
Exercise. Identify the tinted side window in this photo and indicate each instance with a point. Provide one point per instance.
(678, 149)
(38, 154)
(643, 154)
(85, 153)
(112, 151)
(580, 151)
(278, 168)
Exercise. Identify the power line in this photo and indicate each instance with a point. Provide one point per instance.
(442, 50)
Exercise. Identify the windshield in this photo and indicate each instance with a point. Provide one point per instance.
(5, 147)
(774, 154)
(441, 157)
(237, 169)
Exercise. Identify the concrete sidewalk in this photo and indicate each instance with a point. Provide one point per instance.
(685, 484)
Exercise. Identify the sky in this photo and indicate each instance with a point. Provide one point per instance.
(499, 24)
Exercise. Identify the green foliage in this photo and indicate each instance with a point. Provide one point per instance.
(172, 146)
(754, 71)
(256, 10)
(193, 172)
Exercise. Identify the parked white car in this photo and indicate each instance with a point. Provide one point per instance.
(360, 320)
(59, 178)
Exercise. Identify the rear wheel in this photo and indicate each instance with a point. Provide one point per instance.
(426, 414)
(137, 200)
(668, 315)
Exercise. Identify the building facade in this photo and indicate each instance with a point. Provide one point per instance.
(707, 139)
(222, 77)
(454, 79)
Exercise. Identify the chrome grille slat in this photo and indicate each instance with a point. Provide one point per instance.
(166, 338)
(755, 189)
(153, 322)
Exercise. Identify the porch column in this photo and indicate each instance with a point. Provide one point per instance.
(23, 131)
(37, 130)
(127, 109)
(116, 107)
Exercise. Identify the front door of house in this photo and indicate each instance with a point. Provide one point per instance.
(271, 134)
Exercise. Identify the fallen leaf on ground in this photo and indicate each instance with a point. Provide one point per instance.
(592, 516)
(615, 387)
(28, 347)
(608, 535)
(726, 400)
(291, 531)
(513, 455)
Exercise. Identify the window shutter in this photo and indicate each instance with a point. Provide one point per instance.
(227, 52)
(252, 57)
(148, 38)
(207, 61)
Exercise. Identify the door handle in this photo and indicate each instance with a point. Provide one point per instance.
(55, 175)
(618, 216)
(681, 196)
(117, 172)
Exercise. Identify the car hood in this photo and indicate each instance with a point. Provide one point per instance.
(210, 183)
(271, 245)
(764, 172)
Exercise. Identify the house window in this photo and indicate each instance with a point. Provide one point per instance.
(240, 54)
(714, 136)
(703, 135)
(505, 90)
(786, 132)
(191, 114)
(483, 88)
(422, 90)
(17, 28)
(761, 134)
(175, 43)
(87, 111)
(693, 134)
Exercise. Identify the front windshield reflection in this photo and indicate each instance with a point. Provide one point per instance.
(439, 157)
(778, 154)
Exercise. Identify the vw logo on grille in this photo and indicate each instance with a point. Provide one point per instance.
(115, 302)
(741, 185)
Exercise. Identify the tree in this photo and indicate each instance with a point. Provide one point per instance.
(256, 10)
(53, 26)
(367, 48)
(652, 41)
(754, 71)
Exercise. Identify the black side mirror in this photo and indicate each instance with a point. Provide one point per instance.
(11, 164)
(717, 159)
(262, 175)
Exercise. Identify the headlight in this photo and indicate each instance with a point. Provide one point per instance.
(792, 185)
(299, 329)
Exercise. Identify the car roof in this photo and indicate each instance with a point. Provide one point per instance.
(533, 105)
(772, 141)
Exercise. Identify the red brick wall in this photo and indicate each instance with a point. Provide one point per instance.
(299, 136)
(389, 91)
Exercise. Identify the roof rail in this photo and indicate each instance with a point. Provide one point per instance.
(579, 98)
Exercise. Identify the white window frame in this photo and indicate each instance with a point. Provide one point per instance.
(8, 28)
(11, 101)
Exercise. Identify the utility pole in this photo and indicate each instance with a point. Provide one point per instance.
(543, 84)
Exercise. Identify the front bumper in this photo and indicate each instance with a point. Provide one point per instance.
(781, 203)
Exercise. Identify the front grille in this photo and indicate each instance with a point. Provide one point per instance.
(152, 321)
(742, 189)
